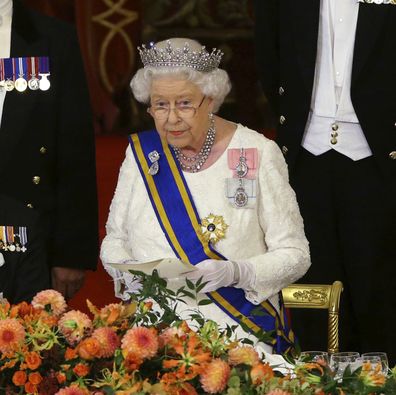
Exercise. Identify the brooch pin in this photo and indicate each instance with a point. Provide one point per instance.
(213, 228)
(154, 158)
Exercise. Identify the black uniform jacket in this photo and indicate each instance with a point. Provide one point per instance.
(47, 145)
(286, 37)
(23, 272)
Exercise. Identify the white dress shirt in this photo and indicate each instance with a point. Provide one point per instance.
(333, 123)
(5, 40)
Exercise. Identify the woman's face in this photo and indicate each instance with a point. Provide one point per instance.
(186, 123)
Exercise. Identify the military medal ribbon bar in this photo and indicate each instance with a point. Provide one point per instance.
(23, 73)
(23, 237)
(44, 73)
(12, 241)
(20, 65)
(9, 75)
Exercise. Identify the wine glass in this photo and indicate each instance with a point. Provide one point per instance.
(340, 360)
(313, 356)
(382, 357)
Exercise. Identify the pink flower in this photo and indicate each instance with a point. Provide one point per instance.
(74, 325)
(108, 341)
(141, 342)
(12, 334)
(215, 376)
(51, 298)
(73, 390)
(170, 334)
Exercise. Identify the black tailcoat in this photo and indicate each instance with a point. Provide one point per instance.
(47, 144)
(286, 37)
(348, 206)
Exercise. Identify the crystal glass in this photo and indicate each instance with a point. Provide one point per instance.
(313, 356)
(383, 359)
(340, 360)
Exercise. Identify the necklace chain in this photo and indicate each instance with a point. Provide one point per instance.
(196, 162)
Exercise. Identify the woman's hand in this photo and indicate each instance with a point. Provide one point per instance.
(216, 273)
(219, 274)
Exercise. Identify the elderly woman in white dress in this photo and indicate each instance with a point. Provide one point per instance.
(208, 191)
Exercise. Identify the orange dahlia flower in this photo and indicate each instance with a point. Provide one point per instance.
(215, 376)
(261, 372)
(51, 298)
(108, 340)
(73, 390)
(74, 325)
(140, 341)
(243, 355)
(12, 335)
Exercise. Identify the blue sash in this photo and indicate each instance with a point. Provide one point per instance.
(178, 217)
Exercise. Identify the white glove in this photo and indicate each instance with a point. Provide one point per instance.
(219, 274)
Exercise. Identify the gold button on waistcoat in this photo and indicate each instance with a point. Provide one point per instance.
(43, 150)
(282, 119)
(36, 180)
(285, 150)
(334, 126)
(281, 90)
(392, 155)
(29, 205)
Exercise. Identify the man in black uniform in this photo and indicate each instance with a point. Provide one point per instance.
(48, 186)
(328, 70)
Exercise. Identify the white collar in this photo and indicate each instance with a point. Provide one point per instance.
(5, 9)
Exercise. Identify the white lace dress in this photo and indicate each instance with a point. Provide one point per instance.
(267, 233)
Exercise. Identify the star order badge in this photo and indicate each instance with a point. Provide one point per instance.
(213, 228)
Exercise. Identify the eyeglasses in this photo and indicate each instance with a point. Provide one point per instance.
(183, 109)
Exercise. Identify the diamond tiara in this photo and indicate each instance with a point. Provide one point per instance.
(180, 57)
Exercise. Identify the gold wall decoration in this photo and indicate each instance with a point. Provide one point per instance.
(115, 19)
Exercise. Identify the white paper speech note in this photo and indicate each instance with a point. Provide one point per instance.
(167, 267)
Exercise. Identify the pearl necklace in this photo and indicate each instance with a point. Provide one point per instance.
(196, 162)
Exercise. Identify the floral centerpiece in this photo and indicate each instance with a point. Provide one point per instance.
(134, 348)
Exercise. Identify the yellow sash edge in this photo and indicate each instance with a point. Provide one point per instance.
(234, 311)
(157, 199)
(269, 308)
(186, 200)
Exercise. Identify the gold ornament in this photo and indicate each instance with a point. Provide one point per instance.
(213, 228)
